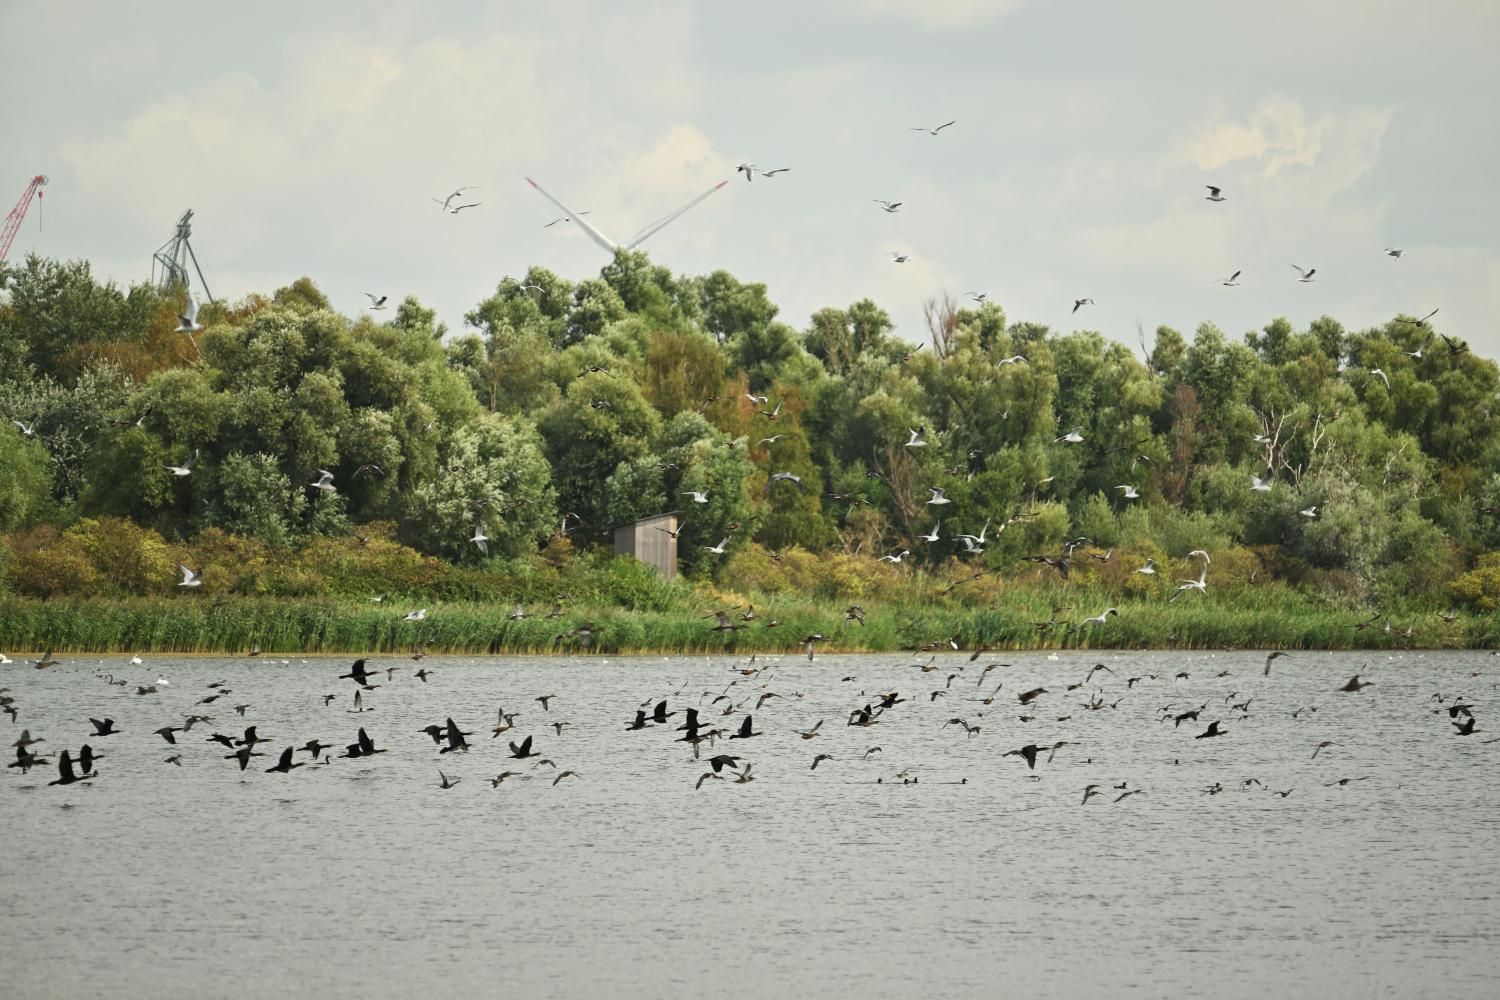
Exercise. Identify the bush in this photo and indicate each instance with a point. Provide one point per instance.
(129, 559)
(1479, 588)
(47, 564)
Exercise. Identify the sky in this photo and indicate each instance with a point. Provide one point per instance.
(309, 139)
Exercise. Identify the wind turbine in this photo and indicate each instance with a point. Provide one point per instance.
(640, 237)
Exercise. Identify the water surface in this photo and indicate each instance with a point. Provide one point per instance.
(982, 878)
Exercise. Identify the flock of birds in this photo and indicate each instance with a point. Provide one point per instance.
(450, 737)
(714, 721)
(750, 171)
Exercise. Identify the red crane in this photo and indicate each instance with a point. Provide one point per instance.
(17, 214)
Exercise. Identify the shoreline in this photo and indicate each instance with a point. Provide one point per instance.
(24, 657)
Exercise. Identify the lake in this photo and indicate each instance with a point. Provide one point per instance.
(936, 867)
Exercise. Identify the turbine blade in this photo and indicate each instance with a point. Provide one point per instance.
(594, 234)
(657, 226)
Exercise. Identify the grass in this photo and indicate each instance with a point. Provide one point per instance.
(1272, 618)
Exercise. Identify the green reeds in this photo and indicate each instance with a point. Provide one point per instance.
(1251, 619)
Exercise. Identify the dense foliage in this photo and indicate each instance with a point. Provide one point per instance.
(565, 408)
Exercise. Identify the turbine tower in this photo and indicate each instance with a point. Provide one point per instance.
(169, 265)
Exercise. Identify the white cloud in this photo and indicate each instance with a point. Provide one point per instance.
(1278, 134)
(935, 14)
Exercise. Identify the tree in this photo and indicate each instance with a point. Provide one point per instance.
(24, 479)
(598, 424)
(497, 479)
(251, 496)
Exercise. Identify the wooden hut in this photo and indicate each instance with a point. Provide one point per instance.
(652, 541)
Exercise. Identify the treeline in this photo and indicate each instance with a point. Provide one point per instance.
(563, 409)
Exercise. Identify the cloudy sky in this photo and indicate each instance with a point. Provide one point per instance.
(309, 137)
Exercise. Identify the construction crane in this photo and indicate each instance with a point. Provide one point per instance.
(169, 265)
(18, 214)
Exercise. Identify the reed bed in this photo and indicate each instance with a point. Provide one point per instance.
(188, 625)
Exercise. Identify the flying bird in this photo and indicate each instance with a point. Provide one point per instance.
(187, 320)
(1233, 280)
(563, 218)
(1307, 275)
(378, 301)
(190, 578)
(931, 131)
(1214, 193)
(1080, 303)
(888, 206)
(186, 469)
(445, 202)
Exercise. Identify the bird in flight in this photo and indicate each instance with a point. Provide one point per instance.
(1232, 281)
(459, 208)
(190, 578)
(899, 258)
(376, 301)
(1214, 193)
(748, 169)
(445, 202)
(1393, 252)
(185, 469)
(187, 320)
(931, 131)
(888, 206)
(1307, 274)
(1080, 303)
(564, 218)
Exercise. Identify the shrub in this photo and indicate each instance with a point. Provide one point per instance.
(129, 559)
(47, 564)
(1480, 587)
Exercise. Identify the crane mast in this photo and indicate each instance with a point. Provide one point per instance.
(18, 214)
